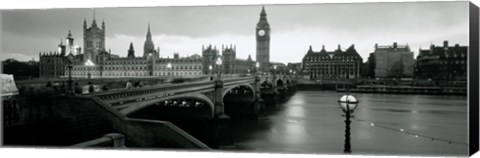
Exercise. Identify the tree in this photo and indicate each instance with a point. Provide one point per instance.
(21, 70)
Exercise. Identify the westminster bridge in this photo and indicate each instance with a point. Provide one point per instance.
(185, 115)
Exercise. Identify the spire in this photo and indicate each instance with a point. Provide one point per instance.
(84, 23)
(263, 13)
(131, 51)
(310, 50)
(94, 23)
(131, 46)
(263, 19)
(149, 34)
(69, 34)
(148, 27)
(103, 24)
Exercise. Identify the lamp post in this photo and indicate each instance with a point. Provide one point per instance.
(347, 103)
(70, 85)
(257, 66)
(169, 68)
(274, 73)
(89, 64)
(219, 66)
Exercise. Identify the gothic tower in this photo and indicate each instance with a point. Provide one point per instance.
(262, 32)
(70, 47)
(131, 51)
(209, 54)
(148, 47)
(228, 54)
(94, 40)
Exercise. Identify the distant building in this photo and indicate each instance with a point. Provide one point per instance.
(369, 67)
(279, 68)
(262, 36)
(392, 61)
(97, 62)
(54, 64)
(295, 67)
(364, 70)
(150, 64)
(442, 62)
(244, 66)
(229, 63)
(337, 64)
(210, 55)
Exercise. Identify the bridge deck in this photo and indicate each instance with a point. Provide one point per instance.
(124, 100)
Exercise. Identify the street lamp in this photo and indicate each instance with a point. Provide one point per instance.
(219, 64)
(210, 71)
(257, 66)
(347, 103)
(89, 64)
(274, 72)
(169, 68)
(70, 85)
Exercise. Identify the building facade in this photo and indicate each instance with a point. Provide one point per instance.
(337, 64)
(392, 61)
(150, 64)
(244, 66)
(226, 62)
(295, 68)
(93, 41)
(54, 64)
(442, 62)
(96, 62)
(262, 34)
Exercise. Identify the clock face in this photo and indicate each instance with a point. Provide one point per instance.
(261, 32)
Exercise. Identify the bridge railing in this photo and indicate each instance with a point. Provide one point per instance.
(123, 93)
(114, 140)
(136, 132)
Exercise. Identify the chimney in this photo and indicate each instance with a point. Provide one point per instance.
(394, 44)
(445, 44)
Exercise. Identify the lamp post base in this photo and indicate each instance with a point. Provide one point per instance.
(347, 147)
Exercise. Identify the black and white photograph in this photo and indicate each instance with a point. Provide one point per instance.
(372, 78)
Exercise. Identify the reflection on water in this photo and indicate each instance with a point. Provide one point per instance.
(312, 122)
(440, 112)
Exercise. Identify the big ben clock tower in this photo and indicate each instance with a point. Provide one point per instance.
(262, 34)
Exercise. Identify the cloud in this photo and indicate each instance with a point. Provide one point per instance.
(294, 27)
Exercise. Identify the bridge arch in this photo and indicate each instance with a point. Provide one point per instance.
(192, 99)
(248, 86)
(279, 82)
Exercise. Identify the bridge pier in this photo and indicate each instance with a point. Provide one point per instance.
(222, 134)
(259, 104)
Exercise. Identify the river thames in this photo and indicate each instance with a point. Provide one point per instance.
(383, 124)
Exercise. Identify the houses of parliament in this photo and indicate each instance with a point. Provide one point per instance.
(98, 62)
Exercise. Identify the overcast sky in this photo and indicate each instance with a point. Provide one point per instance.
(294, 27)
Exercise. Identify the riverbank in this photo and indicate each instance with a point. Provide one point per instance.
(430, 90)
(408, 90)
